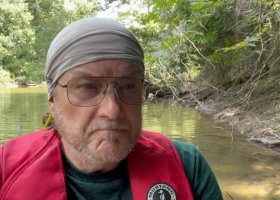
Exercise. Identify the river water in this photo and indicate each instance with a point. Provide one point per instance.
(244, 170)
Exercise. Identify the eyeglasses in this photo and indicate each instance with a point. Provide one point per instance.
(90, 91)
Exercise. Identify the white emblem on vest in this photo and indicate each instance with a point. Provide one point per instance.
(161, 191)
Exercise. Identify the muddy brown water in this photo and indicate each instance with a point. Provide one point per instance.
(245, 171)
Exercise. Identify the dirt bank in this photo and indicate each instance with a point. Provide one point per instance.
(250, 111)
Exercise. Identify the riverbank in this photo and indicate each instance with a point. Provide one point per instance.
(20, 85)
(250, 111)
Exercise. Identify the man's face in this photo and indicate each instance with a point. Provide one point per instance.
(102, 133)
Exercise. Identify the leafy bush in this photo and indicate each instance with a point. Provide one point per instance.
(5, 76)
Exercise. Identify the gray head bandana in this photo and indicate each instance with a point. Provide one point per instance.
(87, 40)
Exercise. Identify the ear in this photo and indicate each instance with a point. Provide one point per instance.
(51, 106)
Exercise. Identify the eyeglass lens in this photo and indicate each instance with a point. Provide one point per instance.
(90, 91)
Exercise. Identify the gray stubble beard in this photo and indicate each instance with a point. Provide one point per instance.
(81, 149)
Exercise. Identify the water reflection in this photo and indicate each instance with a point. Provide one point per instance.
(245, 171)
(171, 120)
(21, 110)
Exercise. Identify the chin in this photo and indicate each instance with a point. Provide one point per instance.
(113, 153)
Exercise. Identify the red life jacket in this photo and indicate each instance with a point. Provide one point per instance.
(31, 168)
(155, 168)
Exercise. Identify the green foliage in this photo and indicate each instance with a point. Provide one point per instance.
(49, 19)
(270, 86)
(5, 76)
(16, 36)
(226, 42)
(28, 26)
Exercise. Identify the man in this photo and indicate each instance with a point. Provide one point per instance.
(95, 148)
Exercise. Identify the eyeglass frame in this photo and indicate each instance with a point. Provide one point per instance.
(105, 91)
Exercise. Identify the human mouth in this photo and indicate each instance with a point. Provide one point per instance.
(108, 127)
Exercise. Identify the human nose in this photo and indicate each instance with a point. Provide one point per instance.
(111, 106)
(114, 86)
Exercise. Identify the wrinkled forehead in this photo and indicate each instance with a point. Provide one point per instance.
(105, 68)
